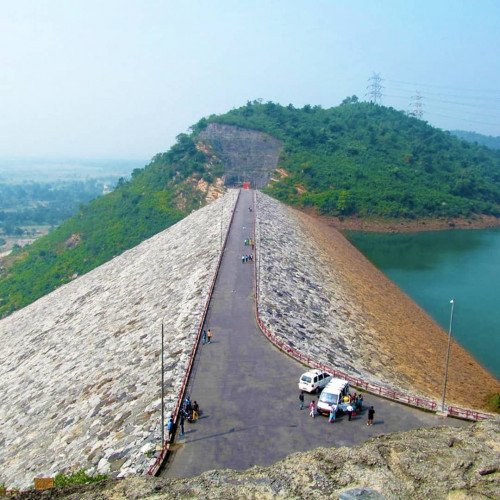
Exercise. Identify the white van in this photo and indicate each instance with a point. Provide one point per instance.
(314, 380)
(332, 396)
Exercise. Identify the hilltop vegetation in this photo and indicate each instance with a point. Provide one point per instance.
(357, 159)
(370, 161)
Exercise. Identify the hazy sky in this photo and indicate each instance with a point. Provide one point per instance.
(122, 78)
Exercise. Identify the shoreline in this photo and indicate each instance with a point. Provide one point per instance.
(410, 344)
(406, 226)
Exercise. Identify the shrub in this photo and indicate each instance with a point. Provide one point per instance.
(78, 477)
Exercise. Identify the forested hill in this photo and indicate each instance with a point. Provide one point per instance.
(357, 159)
(484, 140)
(368, 160)
(169, 188)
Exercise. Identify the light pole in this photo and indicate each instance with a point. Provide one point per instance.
(162, 393)
(221, 217)
(452, 302)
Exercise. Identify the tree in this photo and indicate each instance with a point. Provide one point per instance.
(350, 100)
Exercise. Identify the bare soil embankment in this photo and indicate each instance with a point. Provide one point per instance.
(408, 226)
(406, 335)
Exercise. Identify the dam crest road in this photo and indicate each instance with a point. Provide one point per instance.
(247, 388)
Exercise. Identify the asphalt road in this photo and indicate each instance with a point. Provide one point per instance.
(247, 389)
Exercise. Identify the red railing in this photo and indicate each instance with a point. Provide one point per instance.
(454, 411)
(400, 397)
(157, 464)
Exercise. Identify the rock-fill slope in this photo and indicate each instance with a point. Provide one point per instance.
(80, 372)
(325, 299)
(247, 155)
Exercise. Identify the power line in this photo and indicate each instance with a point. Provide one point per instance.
(477, 110)
(445, 101)
(443, 86)
(464, 119)
(468, 98)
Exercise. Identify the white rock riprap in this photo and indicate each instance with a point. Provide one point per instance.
(80, 373)
(303, 300)
(321, 296)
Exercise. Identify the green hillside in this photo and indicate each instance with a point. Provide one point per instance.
(371, 161)
(155, 198)
(357, 159)
(484, 140)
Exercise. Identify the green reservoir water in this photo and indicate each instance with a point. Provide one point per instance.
(434, 267)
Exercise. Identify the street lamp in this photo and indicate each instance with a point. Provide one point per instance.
(162, 392)
(452, 302)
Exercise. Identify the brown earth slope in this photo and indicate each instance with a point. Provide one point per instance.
(405, 334)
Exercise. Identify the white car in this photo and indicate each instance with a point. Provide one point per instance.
(332, 397)
(314, 380)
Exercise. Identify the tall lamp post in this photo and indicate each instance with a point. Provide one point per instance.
(452, 302)
(162, 393)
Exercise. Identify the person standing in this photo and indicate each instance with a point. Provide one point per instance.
(312, 409)
(301, 400)
(349, 411)
(331, 417)
(170, 428)
(371, 412)
(209, 336)
(204, 337)
(196, 409)
(182, 423)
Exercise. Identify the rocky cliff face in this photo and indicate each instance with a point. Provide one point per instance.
(80, 372)
(247, 155)
(439, 463)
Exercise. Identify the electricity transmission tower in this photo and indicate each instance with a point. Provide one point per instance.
(375, 88)
(416, 102)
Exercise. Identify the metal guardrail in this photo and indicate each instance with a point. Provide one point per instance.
(394, 395)
(153, 470)
(455, 411)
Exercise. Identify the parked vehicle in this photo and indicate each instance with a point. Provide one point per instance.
(332, 396)
(314, 380)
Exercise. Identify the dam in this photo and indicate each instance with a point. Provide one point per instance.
(80, 377)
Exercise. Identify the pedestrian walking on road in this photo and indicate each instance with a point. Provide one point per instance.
(301, 399)
(196, 409)
(371, 412)
(312, 409)
(204, 337)
(209, 336)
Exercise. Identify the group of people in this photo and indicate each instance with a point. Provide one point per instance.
(190, 412)
(248, 258)
(355, 405)
(206, 337)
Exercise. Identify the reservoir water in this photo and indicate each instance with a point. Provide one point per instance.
(434, 267)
